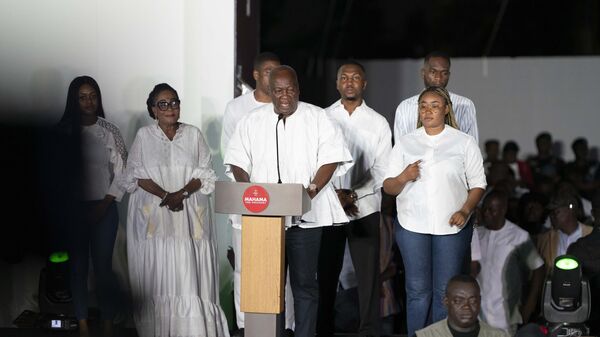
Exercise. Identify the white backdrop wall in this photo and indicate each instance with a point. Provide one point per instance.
(516, 98)
(128, 47)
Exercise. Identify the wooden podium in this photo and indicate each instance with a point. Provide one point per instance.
(263, 208)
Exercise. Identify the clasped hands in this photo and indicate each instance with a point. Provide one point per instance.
(173, 201)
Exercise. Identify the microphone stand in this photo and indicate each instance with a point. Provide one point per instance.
(277, 146)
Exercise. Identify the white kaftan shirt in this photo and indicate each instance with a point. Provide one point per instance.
(507, 257)
(407, 116)
(451, 166)
(307, 140)
(369, 139)
(104, 157)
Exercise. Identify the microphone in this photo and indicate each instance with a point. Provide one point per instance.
(279, 118)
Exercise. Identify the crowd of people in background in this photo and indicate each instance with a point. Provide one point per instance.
(438, 238)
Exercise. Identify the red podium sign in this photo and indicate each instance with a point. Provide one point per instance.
(255, 199)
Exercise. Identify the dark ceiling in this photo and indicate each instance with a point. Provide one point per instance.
(401, 29)
(306, 33)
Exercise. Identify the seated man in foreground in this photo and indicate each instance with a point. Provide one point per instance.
(463, 301)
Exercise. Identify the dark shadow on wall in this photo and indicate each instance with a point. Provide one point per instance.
(42, 187)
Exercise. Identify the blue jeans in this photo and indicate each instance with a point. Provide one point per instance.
(99, 240)
(429, 262)
(302, 253)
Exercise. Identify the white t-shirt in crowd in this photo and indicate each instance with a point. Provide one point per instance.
(507, 257)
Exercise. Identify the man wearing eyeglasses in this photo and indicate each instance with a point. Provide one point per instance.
(565, 210)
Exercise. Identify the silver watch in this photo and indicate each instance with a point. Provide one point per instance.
(186, 194)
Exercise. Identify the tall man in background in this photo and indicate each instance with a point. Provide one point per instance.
(290, 141)
(436, 73)
(369, 139)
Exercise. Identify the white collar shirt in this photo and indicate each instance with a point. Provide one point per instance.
(235, 110)
(407, 115)
(451, 165)
(507, 257)
(565, 240)
(307, 140)
(369, 139)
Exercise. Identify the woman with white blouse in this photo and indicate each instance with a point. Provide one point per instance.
(171, 238)
(103, 156)
(436, 173)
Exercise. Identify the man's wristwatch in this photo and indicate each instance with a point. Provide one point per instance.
(185, 194)
(313, 188)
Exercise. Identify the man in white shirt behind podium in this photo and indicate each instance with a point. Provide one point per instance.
(289, 141)
(235, 110)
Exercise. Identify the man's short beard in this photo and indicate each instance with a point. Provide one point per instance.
(353, 98)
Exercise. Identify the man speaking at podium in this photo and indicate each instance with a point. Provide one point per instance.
(288, 141)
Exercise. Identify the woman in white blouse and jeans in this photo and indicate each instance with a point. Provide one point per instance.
(436, 173)
(103, 156)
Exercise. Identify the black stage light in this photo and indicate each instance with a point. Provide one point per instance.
(56, 306)
(566, 284)
(566, 299)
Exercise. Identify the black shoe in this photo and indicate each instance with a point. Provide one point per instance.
(238, 333)
(288, 333)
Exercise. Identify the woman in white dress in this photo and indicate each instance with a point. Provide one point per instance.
(172, 252)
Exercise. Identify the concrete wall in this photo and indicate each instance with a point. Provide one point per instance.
(516, 98)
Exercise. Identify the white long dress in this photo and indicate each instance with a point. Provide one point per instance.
(172, 255)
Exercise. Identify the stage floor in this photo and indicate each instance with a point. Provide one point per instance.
(10, 332)
(21, 332)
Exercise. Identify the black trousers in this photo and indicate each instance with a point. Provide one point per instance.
(363, 242)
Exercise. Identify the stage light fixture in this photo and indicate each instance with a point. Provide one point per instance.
(566, 299)
(56, 307)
